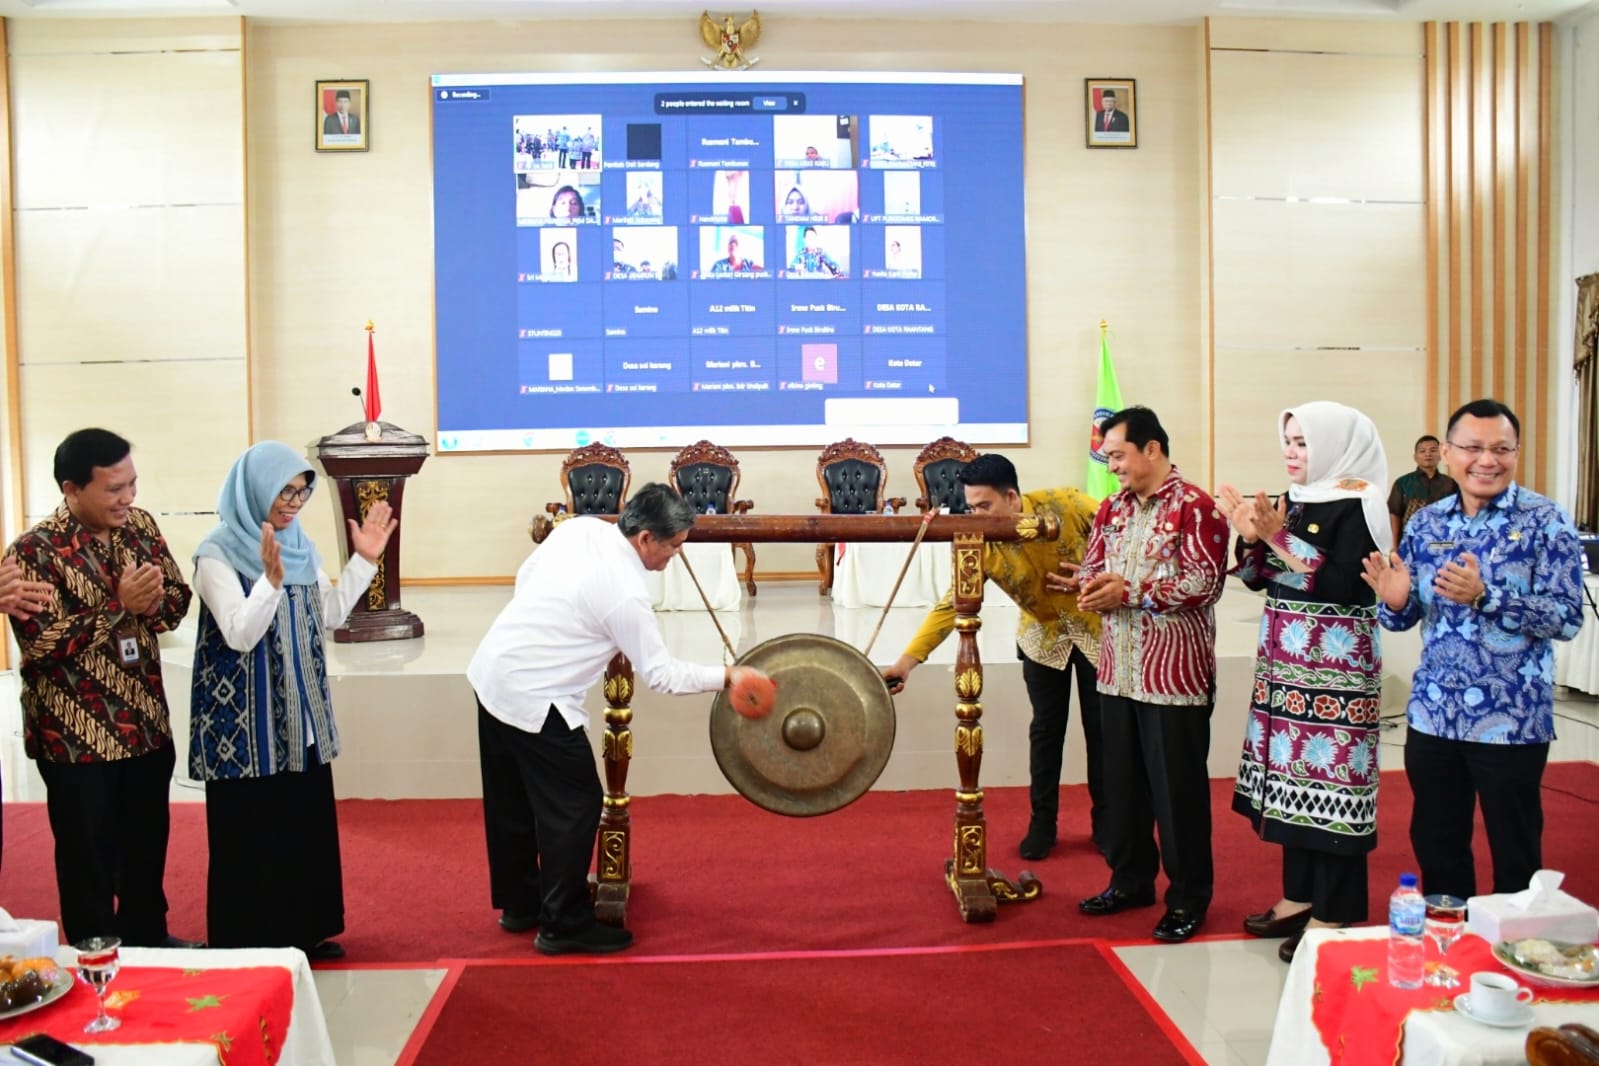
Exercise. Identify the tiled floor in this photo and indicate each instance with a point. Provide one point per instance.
(1221, 994)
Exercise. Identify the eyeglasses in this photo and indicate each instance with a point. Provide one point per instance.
(1475, 451)
(290, 494)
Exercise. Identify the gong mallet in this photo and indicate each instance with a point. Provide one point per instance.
(752, 693)
(921, 531)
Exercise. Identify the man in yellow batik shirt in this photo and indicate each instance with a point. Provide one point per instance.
(1054, 640)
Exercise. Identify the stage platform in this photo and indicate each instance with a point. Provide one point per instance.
(408, 721)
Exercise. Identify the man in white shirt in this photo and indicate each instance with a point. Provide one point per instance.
(580, 598)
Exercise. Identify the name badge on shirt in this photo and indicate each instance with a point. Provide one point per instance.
(127, 648)
(1441, 546)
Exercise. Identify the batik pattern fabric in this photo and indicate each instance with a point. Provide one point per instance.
(81, 702)
(1160, 645)
(1487, 669)
(1308, 773)
(255, 713)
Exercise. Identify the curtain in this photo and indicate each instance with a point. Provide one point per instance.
(1586, 364)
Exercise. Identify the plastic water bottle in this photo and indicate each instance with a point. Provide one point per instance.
(888, 508)
(1407, 914)
(710, 508)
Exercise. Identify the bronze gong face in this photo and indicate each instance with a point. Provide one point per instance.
(825, 742)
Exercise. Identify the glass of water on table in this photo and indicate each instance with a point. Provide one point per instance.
(98, 963)
(1446, 923)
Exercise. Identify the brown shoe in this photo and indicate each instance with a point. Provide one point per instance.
(1285, 950)
(1268, 926)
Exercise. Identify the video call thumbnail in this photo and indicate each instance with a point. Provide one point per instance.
(558, 255)
(812, 141)
(733, 251)
(644, 142)
(900, 140)
(557, 197)
(557, 142)
(817, 195)
(728, 200)
(902, 251)
(643, 253)
(644, 198)
(902, 192)
(817, 251)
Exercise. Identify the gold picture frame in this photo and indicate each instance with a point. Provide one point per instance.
(1115, 126)
(343, 115)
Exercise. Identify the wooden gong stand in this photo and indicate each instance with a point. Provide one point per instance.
(978, 888)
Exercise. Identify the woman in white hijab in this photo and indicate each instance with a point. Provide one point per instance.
(1308, 776)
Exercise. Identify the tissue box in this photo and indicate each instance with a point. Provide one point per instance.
(31, 939)
(1554, 915)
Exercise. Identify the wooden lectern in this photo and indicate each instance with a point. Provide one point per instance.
(369, 461)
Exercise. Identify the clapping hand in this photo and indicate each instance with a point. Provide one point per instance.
(1104, 592)
(372, 536)
(19, 597)
(1389, 578)
(1066, 580)
(1269, 520)
(1240, 512)
(1460, 581)
(141, 588)
(271, 555)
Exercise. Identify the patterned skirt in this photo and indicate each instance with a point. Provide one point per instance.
(1308, 775)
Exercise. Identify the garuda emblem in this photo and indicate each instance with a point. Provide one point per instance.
(730, 39)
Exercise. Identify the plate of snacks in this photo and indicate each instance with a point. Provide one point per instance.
(1551, 963)
(28, 984)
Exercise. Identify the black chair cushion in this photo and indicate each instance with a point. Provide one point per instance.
(852, 486)
(596, 489)
(942, 488)
(705, 485)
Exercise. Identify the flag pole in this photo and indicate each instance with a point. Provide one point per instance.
(370, 399)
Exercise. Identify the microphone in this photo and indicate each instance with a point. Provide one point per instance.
(356, 392)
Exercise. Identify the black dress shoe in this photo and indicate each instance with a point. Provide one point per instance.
(1268, 926)
(1285, 950)
(518, 923)
(326, 951)
(1039, 841)
(1179, 925)
(177, 942)
(597, 939)
(1114, 901)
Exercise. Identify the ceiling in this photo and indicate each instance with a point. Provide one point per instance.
(1111, 11)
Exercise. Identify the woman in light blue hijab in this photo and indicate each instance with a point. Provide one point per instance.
(262, 736)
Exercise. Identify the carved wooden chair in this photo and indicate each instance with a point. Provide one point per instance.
(706, 475)
(595, 478)
(937, 469)
(853, 478)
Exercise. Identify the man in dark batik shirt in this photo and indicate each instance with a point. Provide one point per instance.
(93, 707)
(1420, 487)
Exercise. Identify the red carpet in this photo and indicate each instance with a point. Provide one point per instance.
(1067, 1002)
(716, 874)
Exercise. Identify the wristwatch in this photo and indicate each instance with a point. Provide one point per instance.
(1476, 604)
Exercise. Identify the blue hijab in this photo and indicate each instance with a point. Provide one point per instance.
(248, 492)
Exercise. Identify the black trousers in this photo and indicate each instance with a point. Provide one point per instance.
(1335, 885)
(110, 822)
(1156, 779)
(275, 878)
(1050, 692)
(541, 814)
(1448, 778)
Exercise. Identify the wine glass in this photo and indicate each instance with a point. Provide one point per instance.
(98, 963)
(1446, 923)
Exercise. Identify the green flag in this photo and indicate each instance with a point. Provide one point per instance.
(1107, 401)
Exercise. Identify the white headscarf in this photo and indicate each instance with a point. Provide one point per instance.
(1345, 461)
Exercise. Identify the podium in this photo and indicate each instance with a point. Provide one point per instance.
(369, 466)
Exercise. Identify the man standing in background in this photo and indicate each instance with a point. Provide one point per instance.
(1422, 486)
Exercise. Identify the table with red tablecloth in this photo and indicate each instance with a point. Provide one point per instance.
(1338, 1008)
(256, 1007)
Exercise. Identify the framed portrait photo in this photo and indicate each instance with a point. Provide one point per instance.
(342, 116)
(1112, 112)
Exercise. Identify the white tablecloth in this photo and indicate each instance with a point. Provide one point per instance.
(673, 590)
(1431, 1038)
(307, 1043)
(864, 575)
(1577, 661)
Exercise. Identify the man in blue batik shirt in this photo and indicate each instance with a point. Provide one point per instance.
(1498, 579)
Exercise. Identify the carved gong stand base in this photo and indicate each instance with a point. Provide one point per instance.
(978, 888)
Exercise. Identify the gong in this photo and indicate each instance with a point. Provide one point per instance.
(825, 742)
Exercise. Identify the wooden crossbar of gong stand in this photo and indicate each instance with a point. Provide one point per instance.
(978, 888)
